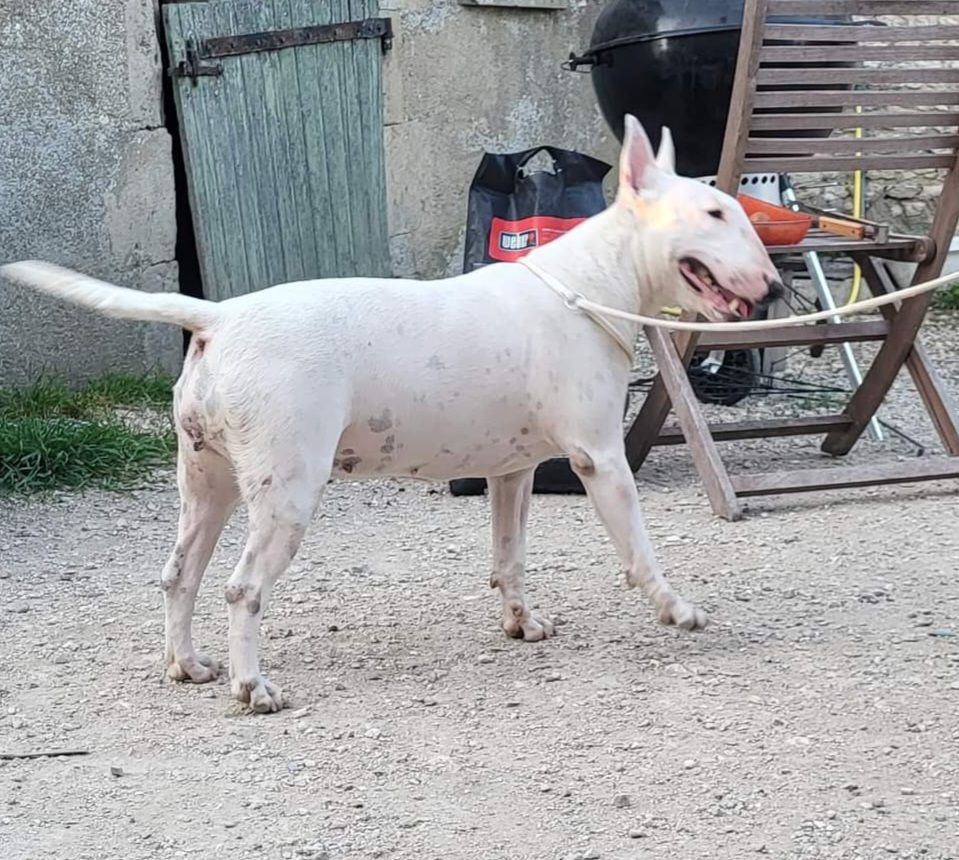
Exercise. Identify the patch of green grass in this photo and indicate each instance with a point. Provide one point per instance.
(54, 437)
(50, 398)
(947, 297)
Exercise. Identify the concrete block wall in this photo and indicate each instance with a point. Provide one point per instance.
(86, 175)
(464, 79)
(906, 200)
(85, 180)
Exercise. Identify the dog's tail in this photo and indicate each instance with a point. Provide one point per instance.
(190, 313)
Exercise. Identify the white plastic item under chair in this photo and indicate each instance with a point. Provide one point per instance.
(762, 186)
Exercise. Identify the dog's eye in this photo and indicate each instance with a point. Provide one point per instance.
(717, 214)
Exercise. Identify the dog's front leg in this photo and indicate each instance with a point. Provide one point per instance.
(509, 498)
(612, 490)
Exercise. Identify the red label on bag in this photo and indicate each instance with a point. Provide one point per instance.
(510, 240)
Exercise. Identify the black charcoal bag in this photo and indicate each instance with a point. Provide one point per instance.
(513, 209)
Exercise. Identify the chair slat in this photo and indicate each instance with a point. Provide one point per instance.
(817, 164)
(861, 7)
(761, 429)
(852, 98)
(857, 53)
(861, 33)
(798, 335)
(850, 146)
(906, 75)
(823, 121)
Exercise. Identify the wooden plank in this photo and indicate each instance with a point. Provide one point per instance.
(767, 429)
(339, 152)
(854, 98)
(261, 150)
(905, 75)
(935, 396)
(903, 329)
(881, 120)
(797, 335)
(647, 424)
(817, 164)
(862, 7)
(850, 145)
(811, 480)
(910, 248)
(861, 33)
(367, 65)
(329, 243)
(288, 96)
(702, 448)
(743, 96)
(214, 188)
(856, 53)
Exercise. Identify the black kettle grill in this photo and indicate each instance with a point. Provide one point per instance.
(672, 63)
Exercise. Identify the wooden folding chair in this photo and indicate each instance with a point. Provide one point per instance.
(795, 83)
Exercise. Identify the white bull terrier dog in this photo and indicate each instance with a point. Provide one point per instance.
(483, 375)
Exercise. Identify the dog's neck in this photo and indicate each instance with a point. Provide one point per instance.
(598, 260)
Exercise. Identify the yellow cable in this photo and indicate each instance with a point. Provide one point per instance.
(856, 213)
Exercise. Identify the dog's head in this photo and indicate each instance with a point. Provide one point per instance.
(695, 248)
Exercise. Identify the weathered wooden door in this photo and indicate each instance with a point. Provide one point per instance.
(281, 122)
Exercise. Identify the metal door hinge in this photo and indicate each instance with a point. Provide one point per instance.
(191, 67)
(275, 40)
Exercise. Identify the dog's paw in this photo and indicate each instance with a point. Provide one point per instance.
(198, 669)
(259, 695)
(520, 623)
(684, 615)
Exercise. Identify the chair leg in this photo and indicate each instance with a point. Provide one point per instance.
(939, 403)
(646, 427)
(702, 446)
(879, 378)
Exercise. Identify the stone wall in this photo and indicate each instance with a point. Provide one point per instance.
(86, 176)
(85, 181)
(905, 200)
(464, 79)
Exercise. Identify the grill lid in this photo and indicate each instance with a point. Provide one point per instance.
(626, 22)
(623, 22)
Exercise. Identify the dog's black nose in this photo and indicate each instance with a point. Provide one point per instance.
(775, 290)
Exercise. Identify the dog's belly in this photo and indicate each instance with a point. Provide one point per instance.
(432, 447)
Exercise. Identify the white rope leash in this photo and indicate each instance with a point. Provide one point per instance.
(601, 314)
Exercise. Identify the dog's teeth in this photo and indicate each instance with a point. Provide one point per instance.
(734, 305)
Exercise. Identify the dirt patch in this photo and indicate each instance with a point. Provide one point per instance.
(816, 717)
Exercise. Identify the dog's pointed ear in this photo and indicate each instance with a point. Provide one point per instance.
(636, 157)
(666, 157)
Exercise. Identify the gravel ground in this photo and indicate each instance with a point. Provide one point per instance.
(818, 715)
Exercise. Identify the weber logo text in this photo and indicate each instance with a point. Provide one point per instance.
(517, 241)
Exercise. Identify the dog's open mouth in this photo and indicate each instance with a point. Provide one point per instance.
(699, 277)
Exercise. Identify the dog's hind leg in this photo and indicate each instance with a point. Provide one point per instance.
(612, 490)
(208, 495)
(281, 505)
(509, 498)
